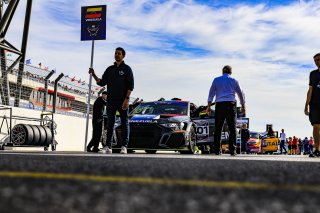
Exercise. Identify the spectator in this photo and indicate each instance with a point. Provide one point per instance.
(245, 136)
(294, 145)
(290, 145)
(282, 142)
(300, 144)
(311, 144)
(305, 143)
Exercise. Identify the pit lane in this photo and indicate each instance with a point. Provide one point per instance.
(36, 181)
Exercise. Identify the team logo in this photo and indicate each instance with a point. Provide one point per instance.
(121, 72)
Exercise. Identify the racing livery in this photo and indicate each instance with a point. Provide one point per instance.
(160, 125)
(170, 125)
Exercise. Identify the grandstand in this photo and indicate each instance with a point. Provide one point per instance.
(71, 95)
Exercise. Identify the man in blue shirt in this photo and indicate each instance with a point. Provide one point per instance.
(224, 89)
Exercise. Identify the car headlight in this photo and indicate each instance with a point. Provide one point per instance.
(173, 126)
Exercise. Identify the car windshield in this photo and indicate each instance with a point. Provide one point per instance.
(161, 107)
(254, 135)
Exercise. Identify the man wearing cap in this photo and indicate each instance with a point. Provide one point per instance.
(120, 84)
(99, 108)
(224, 89)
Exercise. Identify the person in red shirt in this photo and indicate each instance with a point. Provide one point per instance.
(311, 143)
(290, 145)
(294, 145)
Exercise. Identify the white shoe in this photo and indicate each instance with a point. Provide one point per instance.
(106, 150)
(123, 150)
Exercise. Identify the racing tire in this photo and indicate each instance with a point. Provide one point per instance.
(43, 136)
(151, 151)
(192, 142)
(36, 135)
(48, 134)
(22, 134)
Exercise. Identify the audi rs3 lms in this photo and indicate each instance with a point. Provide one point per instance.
(160, 125)
(170, 125)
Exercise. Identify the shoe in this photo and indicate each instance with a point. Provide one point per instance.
(312, 155)
(89, 148)
(216, 153)
(123, 150)
(211, 150)
(106, 150)
(317, 153)
(234, 153)
(95, 150)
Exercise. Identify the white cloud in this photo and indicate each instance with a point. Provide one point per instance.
(266, 46)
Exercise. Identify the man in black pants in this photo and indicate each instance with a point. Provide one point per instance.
(312, 106)
(97, 118)
(245, 136)
(224, 89)
(120, 83)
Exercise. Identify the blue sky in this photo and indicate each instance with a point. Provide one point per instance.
(177, 47)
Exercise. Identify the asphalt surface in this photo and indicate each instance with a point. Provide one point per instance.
(80, 182)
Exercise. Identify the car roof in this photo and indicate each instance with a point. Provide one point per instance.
(168, 101)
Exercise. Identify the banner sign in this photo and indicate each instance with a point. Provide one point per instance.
(93, 22)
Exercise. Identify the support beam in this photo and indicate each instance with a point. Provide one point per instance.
(23, 51)
(56, 92)
(46, 90)
(7, 16)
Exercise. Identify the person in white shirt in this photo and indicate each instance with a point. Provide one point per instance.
(282, 142)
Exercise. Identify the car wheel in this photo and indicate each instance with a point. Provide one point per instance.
(192, 142)
(151, 151)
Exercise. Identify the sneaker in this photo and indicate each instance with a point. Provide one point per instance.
(233, 153)
(106, 150)
(95, 150)
(317, 153)
(311, 155)
(123, 150)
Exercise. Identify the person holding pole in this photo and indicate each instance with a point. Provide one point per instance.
(120, 83)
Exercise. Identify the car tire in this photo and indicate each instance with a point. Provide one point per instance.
(192, 142)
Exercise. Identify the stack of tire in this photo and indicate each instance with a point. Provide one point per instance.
(31, 135)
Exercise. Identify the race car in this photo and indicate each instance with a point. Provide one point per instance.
(171, 125)
(160, 125)
(254, 143)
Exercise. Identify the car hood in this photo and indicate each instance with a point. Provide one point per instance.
(163, 117)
